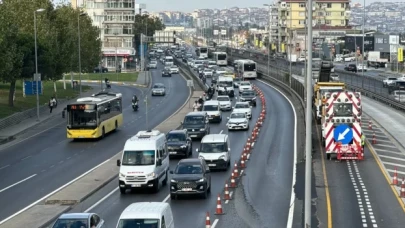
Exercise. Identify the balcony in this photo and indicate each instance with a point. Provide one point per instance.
(120, 5)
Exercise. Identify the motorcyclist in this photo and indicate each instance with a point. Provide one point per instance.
(134, 99)
(209, 91)
(196, 106)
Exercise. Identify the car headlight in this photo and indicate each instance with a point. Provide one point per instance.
(122, 175)
(202, 129)
(245, 122)
(201, 157)
(151, 174)
(254, 98)
(242, 99)
(183, 146)
(173, 181)
(201, 180)
(223, 157)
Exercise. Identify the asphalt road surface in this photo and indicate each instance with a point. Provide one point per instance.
(49, 160)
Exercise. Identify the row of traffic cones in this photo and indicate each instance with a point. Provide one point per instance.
(237, 169)
(395, 182)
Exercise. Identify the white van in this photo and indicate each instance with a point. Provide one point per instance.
(169, 61)
(147, 214)
(213, 109)
(215, 150)
(144, 162)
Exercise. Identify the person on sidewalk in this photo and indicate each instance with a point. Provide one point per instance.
(363, 140)
(51, 104)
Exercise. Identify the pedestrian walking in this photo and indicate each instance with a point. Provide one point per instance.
(51, 104)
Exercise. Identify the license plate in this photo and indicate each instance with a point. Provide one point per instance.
(136, 185)
(193, 136)
(212, 165)
(173, 152)
(187, 189)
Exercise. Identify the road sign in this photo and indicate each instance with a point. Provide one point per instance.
(30, 87)
(343, 134)
(190, 83)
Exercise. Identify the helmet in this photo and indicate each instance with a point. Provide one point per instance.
(201, 96)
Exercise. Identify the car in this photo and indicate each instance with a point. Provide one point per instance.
(196, 124)
(351, 67)
(166, 73)
(334, 77)
(225, 102)
(152, 65)
(213, 110)
(207, 72)
(190, 62)
(192, 176)
(146, 214)
(179, 144)
(200, 69)
(245, 85)
(215, 150)
(398, 85)
(398, 95)
(103, 70)
(220, 70)
(301, 59)
(361, 67)
(79, 220)
(389, 81)
(243, 107)
(238, 120)
(236, 82)
(248, 96)
(174, 69)
(158, 89)
(350, 59)
(214, 78)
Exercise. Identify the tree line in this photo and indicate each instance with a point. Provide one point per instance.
(57, 41)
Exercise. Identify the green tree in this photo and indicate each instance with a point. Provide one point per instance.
(146, 25)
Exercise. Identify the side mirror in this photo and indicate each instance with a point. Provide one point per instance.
(159, 162)
(207, 171)
(171, 172)
(227, 117)
(207, 121)
(118, 162)
(229, 149)
(251, 106)
(196, 150)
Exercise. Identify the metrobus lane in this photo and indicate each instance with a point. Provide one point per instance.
(55, 161)
(112, 203)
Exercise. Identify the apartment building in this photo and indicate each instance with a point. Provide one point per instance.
(116, 19)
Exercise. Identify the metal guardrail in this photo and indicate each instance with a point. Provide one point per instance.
(280, 71)
(186, 69)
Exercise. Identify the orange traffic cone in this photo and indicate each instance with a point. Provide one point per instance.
(207, 220)
(242, 163)
(369, 125)
(395, 178)
(226, 194)
(244, 156)
(219, 210)
(233, 181)
(403, 188)
(374, 138)
(235, 170)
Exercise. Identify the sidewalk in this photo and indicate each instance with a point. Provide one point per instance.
(10, 133)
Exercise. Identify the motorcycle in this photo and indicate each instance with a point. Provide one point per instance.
(135, 106)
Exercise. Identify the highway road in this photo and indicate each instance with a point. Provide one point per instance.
(49, 160)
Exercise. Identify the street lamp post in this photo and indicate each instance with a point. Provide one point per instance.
(362, 51)
(116, 57)
(269, 40)
(79, 48)
(290, 47)
(37, 79)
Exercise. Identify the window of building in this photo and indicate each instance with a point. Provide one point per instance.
(288, 4)
(328, 13)
(287, 14)
(342, 5)
(328, 22)
(380, 40)
(112, 43)
(385, 41)
(302, 14)
(127, 43)
(302, 5)
(320, 14)
(89, 4)
(302, 22)
(342, 14)
(329, 5)
(127, 30)
(342, 22)
(319, 22)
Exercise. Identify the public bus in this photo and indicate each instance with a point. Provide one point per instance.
(95, 116)
(220, 58)
(169, 61)
(247, 69)
(202, 52)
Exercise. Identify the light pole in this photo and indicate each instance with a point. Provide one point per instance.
(79, 47)
(37, 79)
(116, 50)
(290, 47)
(269, 40)
(363, 52)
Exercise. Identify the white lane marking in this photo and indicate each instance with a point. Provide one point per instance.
(214, 224)
(385, 145)
(393, 164)
(26, 158)
(387, 151)
(19, 182)
(4, 167)
(230, 196)
(47, 196)
(392, 158)
(373, 131)
(392, 171)
(166, 199)
(221, 131)
(101, 200)
(294, 177)
(383, 140)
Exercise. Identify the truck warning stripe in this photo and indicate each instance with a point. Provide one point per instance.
(333, 101)
(351, 99)
(329, 132)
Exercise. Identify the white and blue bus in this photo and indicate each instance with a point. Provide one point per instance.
(202, 52)
(221, 58)
(247, 69)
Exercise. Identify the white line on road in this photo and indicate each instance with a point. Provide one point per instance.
(4, 167)
(392, 158)
(166, 199)
(388, 151)
(294, 177)
(392, 171)
(221, 131)
(214, 224)
(384, 145)
(57, 190)
(101, 200)
(26, 158)
(19, 182)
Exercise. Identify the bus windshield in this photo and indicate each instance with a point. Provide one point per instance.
(249, 67)
(82, 119)
(221, 56)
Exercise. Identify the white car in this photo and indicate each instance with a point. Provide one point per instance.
(152, 65)
(389, 81)
(245, 85)
(220, 71)
(301, 59)
(361, 67)
(334, 77)
(225, 103)
(174, 70)
(238, 121)
(208, 72)
(350, 59)
(243, 107)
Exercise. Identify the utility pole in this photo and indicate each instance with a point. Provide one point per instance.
(291, 45)
(308, 125)
(362, 51)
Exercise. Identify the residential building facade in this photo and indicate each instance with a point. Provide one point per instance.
(116, 19)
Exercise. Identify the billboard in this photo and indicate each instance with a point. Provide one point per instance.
(164, 36)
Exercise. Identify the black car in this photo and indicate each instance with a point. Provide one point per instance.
(103, 70)
(398, 85)
(351, 67)
(196, 124)
(179, 144)
(248, 96)
(192, 176)
(166, 73)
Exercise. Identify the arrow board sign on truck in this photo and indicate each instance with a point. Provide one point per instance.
(343, 134)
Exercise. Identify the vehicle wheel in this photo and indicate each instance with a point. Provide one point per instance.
(103, 133)
(156, 186)
(205, 194)
(328, 156)
(209, 188)
(116, 126)
(190, 153)
(166, 179)
(123, 190)
(173, 196)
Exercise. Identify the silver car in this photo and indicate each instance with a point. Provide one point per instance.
(79, 220)
(398, 95)
(174, 69)
(158, 89)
